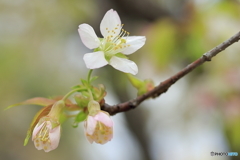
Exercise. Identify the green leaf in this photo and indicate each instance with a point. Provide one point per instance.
(77, 86)
(79, 118)
(137, 83)
(43, 112)
(34, 101)
(93, 78)
(142, 86)
(84, 82)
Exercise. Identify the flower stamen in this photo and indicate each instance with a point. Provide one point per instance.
(112, 43)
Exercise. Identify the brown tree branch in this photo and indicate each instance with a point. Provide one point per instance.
(165, 85)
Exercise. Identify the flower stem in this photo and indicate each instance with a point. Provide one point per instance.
(89, 83)
(71, 92)
(90, 93)
(89, 76)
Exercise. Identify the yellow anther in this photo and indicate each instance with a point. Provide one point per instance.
(123, 41)
(106, 28)
(45, 134)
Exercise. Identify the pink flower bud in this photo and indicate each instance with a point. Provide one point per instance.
(45, 136)
(99, 128)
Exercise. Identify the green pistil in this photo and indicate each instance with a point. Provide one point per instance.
(108, 57)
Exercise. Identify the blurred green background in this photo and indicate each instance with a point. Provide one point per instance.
(41, 56)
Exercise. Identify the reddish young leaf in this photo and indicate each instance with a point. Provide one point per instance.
(35, 101)
(43, 112)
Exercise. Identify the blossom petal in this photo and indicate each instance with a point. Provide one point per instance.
(54, 136)
(36, 130)
(89, 138)
(110, 22)
(95, 60)
(104, 118)
(88, 36)
(91, 125)
(134, 42)
(124, 65)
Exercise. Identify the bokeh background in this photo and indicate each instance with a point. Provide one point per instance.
(41, 56)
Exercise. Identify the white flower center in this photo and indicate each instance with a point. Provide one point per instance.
(113, 43)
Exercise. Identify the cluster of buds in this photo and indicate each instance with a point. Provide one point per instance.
(46, 126)
(98, 126)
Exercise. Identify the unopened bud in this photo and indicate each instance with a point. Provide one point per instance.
(93, 107)
(56, 109)
(81, 100)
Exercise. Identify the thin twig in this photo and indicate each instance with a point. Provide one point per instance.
(165, 85)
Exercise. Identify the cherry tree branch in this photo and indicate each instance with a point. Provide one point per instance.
(165, 85)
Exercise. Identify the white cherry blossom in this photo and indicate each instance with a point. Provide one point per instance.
(112, 48)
